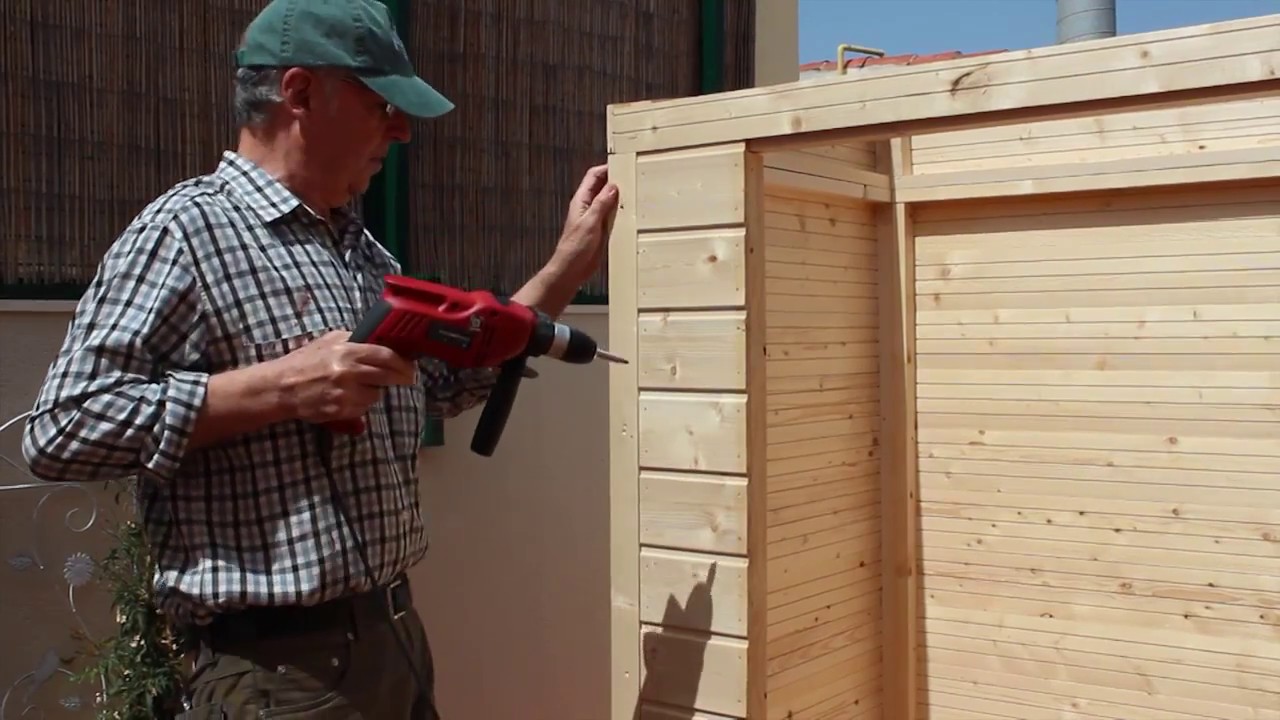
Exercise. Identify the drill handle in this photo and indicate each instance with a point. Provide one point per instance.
(365, 330)
(372, 320)
(493, 418)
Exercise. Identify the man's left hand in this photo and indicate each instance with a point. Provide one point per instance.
(586, 228)
(581, 248)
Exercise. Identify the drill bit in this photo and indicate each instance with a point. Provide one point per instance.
(606, 355)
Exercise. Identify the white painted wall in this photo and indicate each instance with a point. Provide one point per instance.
(777, 47)
(515, 589)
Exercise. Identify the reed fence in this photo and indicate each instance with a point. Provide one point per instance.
(109, 102)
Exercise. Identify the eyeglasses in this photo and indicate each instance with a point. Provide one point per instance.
(388, 109)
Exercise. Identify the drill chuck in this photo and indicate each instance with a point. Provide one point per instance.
(562, 342)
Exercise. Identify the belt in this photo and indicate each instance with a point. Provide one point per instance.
(392, 601)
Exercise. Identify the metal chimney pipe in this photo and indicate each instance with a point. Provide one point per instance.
(1086, 20)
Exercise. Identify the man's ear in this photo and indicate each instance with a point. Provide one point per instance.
(300, 90)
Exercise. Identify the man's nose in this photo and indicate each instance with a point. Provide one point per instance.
(398, 128)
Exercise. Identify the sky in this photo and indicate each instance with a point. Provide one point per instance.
(930, 26)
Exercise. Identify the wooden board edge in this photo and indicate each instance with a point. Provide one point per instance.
(757, 446)
(624, 463)
(899, 543)
(1139, 172)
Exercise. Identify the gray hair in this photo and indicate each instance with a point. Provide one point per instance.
(256, 91)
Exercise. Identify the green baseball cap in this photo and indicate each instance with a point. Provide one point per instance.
(354, 34)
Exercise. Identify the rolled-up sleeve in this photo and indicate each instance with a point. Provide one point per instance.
(123, 393)
(451, 392)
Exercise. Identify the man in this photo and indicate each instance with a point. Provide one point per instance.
(211, 349)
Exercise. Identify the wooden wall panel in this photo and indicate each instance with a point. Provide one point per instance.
(822, 437)
(848, 170)
(692, 268)
(1236, 125)
(1097, 454)
(695, 350)
(689, 188)
(696, 504)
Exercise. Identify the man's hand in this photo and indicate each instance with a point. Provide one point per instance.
(331, 379)
(581, 248)
(327, 380)
(586, 227)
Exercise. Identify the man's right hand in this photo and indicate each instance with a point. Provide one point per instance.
(331, 379)
(328, 380)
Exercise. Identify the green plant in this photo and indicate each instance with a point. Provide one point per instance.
(139, 666)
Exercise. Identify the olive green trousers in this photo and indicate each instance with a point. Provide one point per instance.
(342, 671)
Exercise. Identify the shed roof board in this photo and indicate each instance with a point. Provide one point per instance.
(1169, 67)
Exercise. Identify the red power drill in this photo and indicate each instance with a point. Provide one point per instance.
(470, 329)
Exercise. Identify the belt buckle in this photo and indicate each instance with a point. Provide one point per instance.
(396, 614)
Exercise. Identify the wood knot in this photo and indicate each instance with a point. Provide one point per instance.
(969, 80)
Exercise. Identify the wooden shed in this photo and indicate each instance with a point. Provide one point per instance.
(955, 390)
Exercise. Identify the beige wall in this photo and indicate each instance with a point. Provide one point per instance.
(515, 588)
(36, 616)
(777, 42)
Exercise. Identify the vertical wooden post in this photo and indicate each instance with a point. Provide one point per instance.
(899, 480)
(624, 502)
(757, 439)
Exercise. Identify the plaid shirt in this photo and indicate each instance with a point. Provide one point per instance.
(223, 271)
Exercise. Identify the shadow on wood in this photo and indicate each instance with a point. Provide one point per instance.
(674, 654)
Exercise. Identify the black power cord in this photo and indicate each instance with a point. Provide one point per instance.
(324, 438)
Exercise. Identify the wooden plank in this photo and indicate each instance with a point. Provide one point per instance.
(1133, 69)
(693, 350)
(705, 513)
(694, 670)
(1219, 126)
(856, 154)
(691, 269)
(691, 188)
(653, 711)
(673, 581)
(1206, 671)
(809, 172)
(624, 470)
(777, 178)
(851, 669)
(820, 162)
(706, 432)
(1142, 172)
